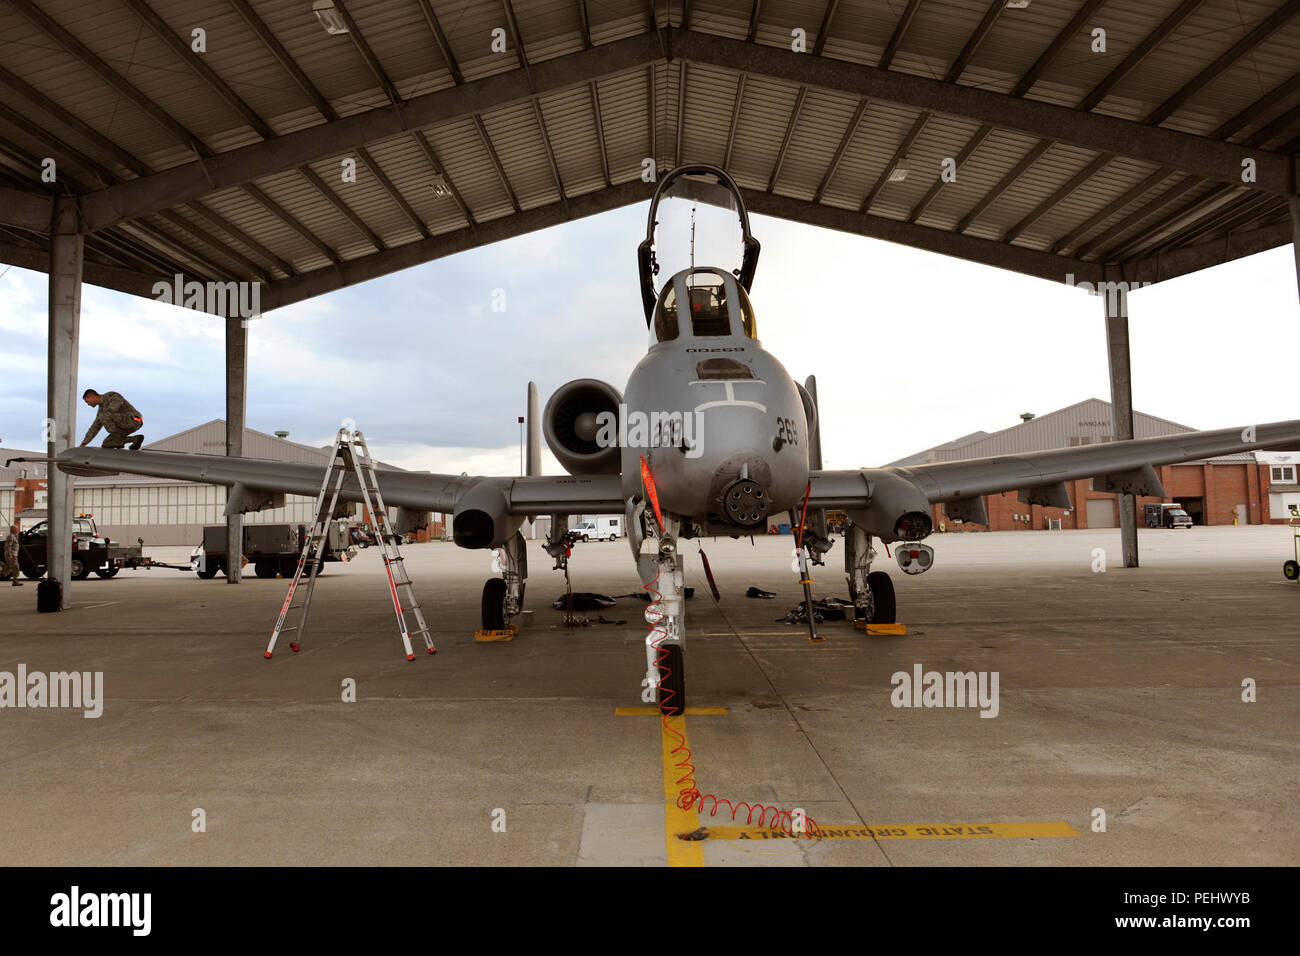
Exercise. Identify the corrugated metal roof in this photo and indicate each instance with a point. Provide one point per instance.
(109, 65)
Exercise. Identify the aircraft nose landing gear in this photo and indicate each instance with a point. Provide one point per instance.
(666, 615)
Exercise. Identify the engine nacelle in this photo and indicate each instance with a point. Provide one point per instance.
(482, 518)
(897, 511)
(572, 424)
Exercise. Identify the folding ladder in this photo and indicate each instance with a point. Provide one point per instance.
(351, 456)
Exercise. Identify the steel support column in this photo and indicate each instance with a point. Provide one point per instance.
(1294, 203)
(236, 406)
(66, 253)
(1121, 400)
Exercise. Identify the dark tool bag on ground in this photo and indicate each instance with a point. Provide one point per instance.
(49, 595)
(827, 609)
(583, 601)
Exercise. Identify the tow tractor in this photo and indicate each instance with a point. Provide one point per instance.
(1291, 567)
(91, 551)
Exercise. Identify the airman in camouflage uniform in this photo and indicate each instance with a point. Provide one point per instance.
(116, 415)
(11, 556)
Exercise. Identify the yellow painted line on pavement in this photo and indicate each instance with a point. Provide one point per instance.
(653, 710)
(677, 820)
(907, 831)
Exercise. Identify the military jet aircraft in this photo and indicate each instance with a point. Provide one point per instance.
(711, 436)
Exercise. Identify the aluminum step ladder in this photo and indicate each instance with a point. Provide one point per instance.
(351, 457)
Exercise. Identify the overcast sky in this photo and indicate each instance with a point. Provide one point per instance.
(910, 348)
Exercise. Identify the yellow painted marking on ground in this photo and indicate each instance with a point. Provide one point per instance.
(652, 709)
(677, 820)
(907, 831)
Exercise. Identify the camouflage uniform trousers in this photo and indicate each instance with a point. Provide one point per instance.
(11, 561)
(120, 439)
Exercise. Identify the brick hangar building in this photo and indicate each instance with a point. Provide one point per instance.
(1248, 488)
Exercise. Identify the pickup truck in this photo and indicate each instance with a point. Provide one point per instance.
(90, 551)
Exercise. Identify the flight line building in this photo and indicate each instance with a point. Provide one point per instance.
(1242, 489)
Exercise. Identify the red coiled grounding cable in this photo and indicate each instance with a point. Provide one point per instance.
(689, 796)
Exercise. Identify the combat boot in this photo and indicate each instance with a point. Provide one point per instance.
(136, 442)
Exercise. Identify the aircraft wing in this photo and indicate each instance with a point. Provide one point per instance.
(414, 490)
(1040, 476)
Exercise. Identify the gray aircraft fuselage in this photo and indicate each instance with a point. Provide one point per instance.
(724, 433)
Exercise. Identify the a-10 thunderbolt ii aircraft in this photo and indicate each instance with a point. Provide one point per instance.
(718, 428)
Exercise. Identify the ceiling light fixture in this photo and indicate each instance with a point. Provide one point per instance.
(330, 17)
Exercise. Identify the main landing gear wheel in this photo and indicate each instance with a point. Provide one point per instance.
(672, 686)
(494, 604)
(1291, 570)
(885, 608)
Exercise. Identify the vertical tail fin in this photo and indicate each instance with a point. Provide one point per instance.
(534, 461)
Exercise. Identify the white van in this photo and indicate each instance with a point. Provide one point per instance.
(602, 529)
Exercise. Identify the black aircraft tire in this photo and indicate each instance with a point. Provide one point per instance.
(264, 568)
(884, 607)
(1291, 571)
(107, 572)
(494, 604)
(672, 686)
(33, 572)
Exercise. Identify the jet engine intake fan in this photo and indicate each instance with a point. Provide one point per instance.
(577, 424)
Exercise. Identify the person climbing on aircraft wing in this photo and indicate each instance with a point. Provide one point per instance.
(117, 416)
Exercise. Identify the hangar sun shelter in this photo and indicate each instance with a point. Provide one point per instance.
(1006, 132)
